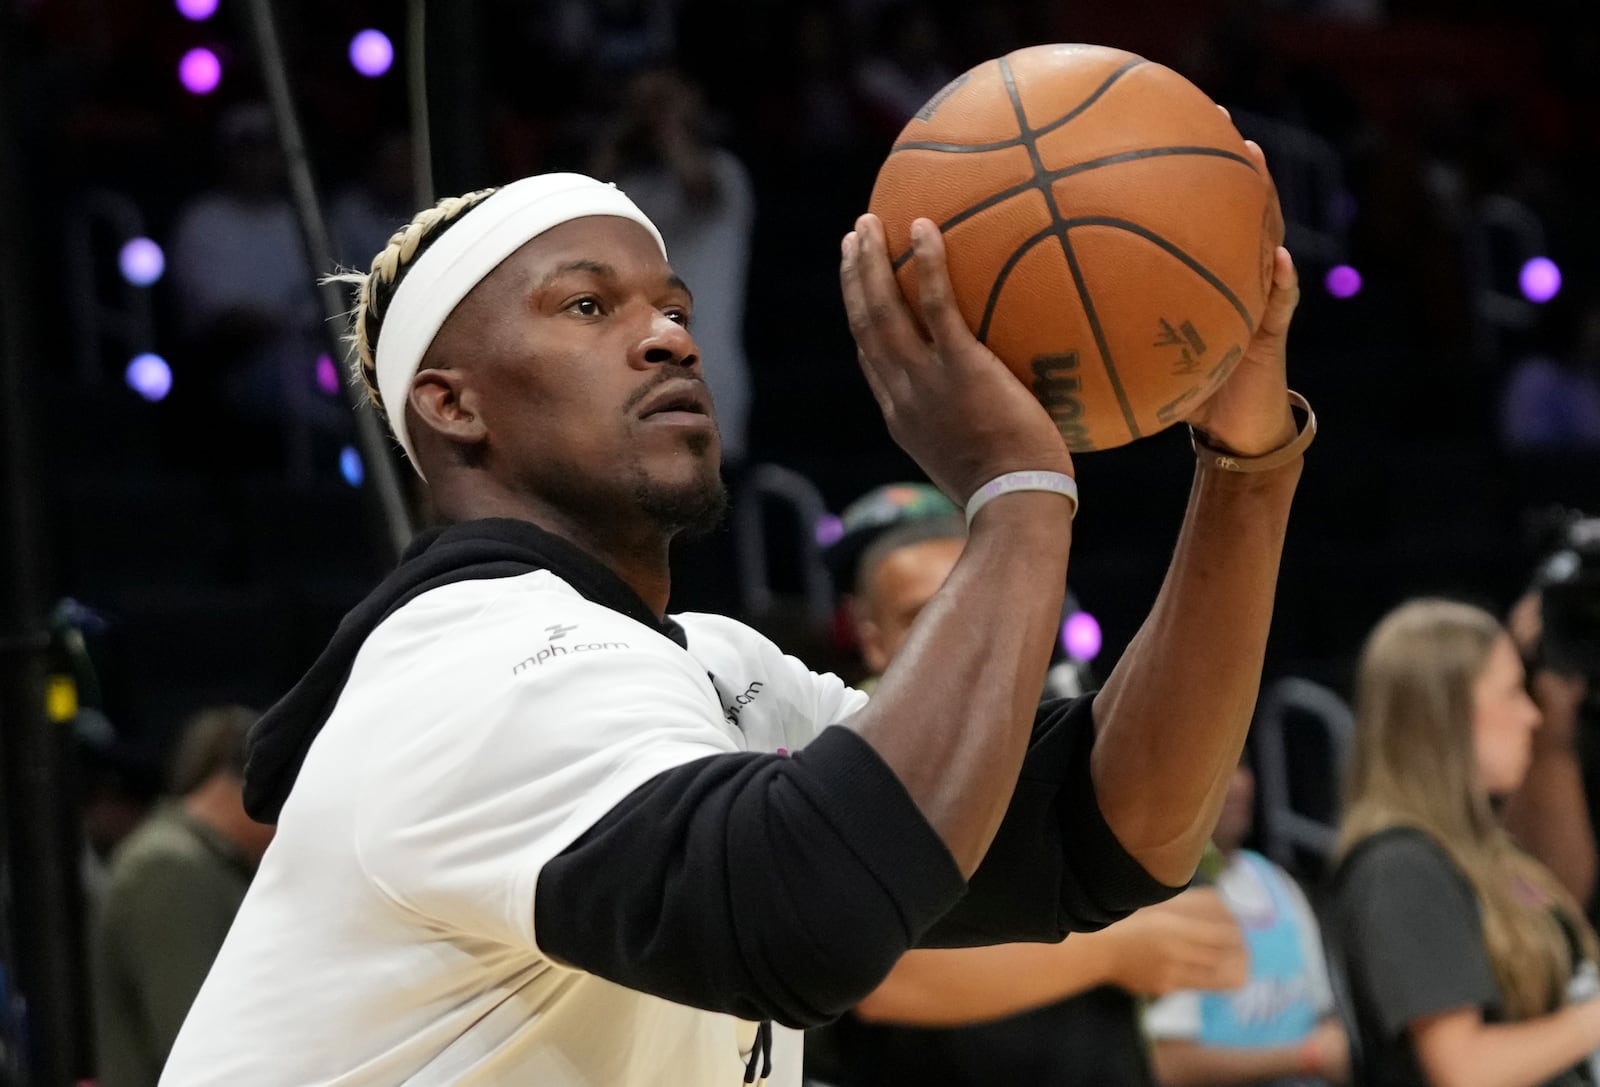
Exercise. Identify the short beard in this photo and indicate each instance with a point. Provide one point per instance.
(690, 512)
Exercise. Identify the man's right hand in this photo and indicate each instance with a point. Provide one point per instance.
(948, 401)
(1188, 942)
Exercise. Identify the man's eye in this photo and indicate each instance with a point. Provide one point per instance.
(680, 316)
(587, 307)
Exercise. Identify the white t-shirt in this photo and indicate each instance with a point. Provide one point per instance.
(388, 937)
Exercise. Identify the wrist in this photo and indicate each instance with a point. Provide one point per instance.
(1096, 956)
(1214, 453)
(1308, 1057)
(1033, 483)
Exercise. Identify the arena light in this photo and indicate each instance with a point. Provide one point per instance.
(350, 466)
(371, 53)
(149, 376)
(1080, 636)
(1342, 281)
(197, 11)
(200, 71)
(141, 261)
(327, 375)
(1539, 279)
(829, 529)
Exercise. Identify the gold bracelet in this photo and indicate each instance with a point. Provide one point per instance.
(1266, 462)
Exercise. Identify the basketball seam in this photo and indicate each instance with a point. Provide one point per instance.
(1058, 228)
(1194, 265)
(1067, 171)
(1148, 235)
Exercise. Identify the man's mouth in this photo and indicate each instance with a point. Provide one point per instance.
(678, 402)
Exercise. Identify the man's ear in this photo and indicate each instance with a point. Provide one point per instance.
(869, 638)
(444, 402)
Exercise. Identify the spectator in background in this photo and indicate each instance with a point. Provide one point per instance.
(118, 784)
(1550, 814)
(174, 887)
(662, 151)
(1551, 399)
(1061, 1014)
(247, 307)
(903, 68)
(376, 203)
(1280, 1027)
(1465, 959)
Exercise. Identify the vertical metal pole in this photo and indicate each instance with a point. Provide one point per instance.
(417, 93)
(382, 470)
(40, 829)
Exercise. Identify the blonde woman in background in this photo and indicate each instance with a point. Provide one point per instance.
(1465, 960)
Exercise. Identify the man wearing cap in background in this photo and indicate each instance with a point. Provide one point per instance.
(1062, 1013)
(533, 830)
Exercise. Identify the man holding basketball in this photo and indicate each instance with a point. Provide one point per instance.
(533, 830)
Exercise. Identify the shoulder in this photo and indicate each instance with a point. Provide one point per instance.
(1399, 876)
(508, 620)
(1398, 853)
(163, 848)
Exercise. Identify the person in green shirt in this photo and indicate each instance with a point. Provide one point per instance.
(173, 888)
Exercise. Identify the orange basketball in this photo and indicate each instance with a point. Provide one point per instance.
(1108, 236)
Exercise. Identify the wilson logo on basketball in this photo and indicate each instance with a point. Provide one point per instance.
(1057, 388)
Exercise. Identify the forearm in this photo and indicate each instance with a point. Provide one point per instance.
(1549, 815)
(1190, 1064)
(959, 986)
(953, 713)
(1172, 717)
(1460, 1050)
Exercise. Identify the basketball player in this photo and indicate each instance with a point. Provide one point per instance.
(533, 830)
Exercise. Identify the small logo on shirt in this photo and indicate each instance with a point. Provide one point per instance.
(740, 701)
(552, 651)
(557, 632)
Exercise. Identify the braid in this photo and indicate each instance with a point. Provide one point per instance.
(375, 289)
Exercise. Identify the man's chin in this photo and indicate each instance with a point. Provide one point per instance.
(687, 509)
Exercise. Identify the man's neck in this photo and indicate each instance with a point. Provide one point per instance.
(636, 552)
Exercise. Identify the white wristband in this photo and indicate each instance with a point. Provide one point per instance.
(1054, 482)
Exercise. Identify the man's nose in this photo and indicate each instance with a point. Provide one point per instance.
(668, 343)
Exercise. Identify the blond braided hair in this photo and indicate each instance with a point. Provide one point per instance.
(375, 289)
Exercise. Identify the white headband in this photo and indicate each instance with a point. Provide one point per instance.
(460, 258)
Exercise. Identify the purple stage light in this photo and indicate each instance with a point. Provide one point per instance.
(142, 262)
(200, 71)
(1080, 636)
(149, 376)
(350, 466)
(327, 375)
(371, 53)
(1540, 279)
(829, 529)
(1342, 281)
(197, 11)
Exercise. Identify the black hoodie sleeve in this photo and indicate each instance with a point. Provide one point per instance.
(765, 886)
(786, 888)
(1054, 867)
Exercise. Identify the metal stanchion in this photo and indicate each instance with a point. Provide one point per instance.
(382, 474)
(42, 899)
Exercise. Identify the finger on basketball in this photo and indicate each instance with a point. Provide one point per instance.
(858, 313)
(1285, 296)
(1274, 223)
(935, 297)
(884, 326)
